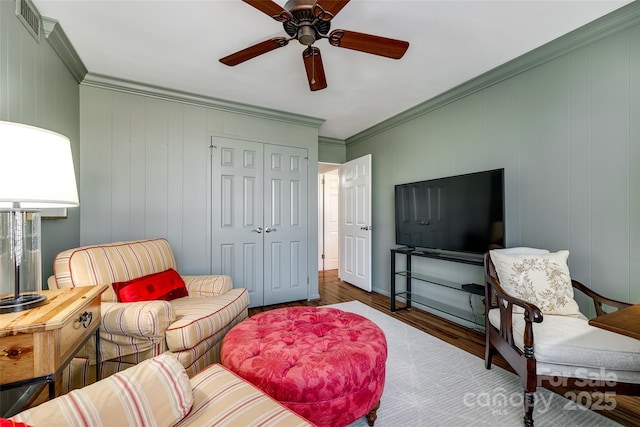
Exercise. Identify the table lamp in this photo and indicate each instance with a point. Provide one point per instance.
(36, 171)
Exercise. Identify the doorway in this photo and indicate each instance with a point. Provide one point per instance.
(347, 206)
(328, 199)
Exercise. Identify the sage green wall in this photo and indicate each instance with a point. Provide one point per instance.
(146, 171)
(331, 150)
(567, 132)
(36, 88)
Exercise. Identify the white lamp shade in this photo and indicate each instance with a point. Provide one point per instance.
(36, 168)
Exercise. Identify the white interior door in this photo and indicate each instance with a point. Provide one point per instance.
(320, 222)
(355, 222)
(259, 219)
(285, 219)
(237, 214)
(331, 220)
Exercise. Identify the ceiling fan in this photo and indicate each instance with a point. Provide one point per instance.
(308, 21)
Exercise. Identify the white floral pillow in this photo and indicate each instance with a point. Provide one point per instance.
(541, 279)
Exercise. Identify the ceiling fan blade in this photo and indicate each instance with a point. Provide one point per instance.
(255, 50)
(327, 9)
(368, 43)
(314, 67)
(270, 8)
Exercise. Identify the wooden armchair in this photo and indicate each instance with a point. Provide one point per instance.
(558, 358)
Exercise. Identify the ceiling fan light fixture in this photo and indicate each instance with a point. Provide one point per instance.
(306, 35)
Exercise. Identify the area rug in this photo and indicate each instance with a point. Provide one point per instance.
(433, 383)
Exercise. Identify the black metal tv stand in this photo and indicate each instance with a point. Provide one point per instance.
(409, 276)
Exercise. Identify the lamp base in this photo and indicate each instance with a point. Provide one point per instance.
(23, 302)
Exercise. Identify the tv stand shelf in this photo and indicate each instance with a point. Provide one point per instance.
(409, 276)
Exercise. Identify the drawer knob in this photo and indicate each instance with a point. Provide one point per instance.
(12, 353)
(85, 319)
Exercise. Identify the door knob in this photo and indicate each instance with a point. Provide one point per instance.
(257, 230)
(269, 230)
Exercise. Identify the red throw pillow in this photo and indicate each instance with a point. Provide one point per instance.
(166, 286)
(10, 423)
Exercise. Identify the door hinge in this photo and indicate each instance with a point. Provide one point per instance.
(322, 256)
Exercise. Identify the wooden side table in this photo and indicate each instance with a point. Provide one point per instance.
(36, 345)
(625, 321)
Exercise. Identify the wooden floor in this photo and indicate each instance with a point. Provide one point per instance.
(332, 291)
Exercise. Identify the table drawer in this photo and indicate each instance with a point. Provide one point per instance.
(16, 358)
(78, 328)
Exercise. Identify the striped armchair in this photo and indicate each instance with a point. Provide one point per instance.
(158, 392)
(191, 327)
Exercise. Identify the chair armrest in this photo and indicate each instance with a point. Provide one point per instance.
(598, 299)
(148, 319)
(495, 298)
(208, 286)
(51, 282)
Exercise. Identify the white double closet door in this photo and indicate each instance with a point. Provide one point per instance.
(259, 218)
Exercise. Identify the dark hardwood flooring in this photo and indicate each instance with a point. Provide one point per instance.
(332, 291)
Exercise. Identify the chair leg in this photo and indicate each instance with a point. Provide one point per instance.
(372, 415)
(488, 353)
(528, 408)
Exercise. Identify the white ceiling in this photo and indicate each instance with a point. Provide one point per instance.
(176, 44)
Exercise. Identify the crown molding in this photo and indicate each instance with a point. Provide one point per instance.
(136, 88)
(615, 21)
(62, 46)
(325, 140)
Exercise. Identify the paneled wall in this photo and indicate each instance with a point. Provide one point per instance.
(36, 88)
(567, 132)
(145, 168)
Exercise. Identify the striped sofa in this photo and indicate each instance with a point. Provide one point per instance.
(158, 392)
(191, 327)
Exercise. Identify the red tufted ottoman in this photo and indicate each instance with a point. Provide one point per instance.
(325, 364)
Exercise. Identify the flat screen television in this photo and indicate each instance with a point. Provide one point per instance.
(461, 214)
